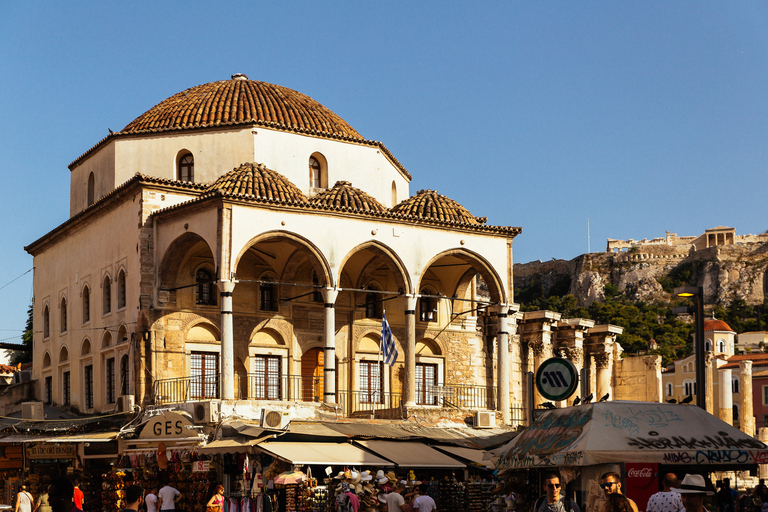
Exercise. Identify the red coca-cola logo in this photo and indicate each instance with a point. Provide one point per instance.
(640, 473)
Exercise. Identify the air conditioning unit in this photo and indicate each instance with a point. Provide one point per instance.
(275, 419)
(485, 419)
(32, 411)
(206, 412)
(126, 403)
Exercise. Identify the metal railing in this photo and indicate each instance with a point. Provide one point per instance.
(357, 401)
(459, 396)
(251, 386)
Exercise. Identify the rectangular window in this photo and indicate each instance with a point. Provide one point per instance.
(65, 390)
(765, 395)
(765, 420)
(426, 378)
(88, 386)
(268, 298)
(205, 375)
(266, 382)
(49, 389)
(125, 374)
(371, 383)
(111, 380)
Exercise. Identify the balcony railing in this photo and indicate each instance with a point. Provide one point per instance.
(357, 401)
(251, 386)
(458, 396)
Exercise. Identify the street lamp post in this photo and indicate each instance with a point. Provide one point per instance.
(698, 341)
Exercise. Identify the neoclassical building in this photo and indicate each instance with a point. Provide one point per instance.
(238, 244)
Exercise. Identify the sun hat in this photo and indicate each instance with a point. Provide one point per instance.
(366, 476)
(382, 497)
(693, 484)
(380, 474)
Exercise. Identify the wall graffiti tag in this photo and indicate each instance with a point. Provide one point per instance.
(714, 442)
(634, 419)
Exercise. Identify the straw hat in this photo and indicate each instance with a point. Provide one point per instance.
(693, 484)
(369, 488)
(358, 488)
(340, 475)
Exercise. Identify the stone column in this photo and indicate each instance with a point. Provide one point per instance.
(409, 384)
(536, 354)
(576, 356)
(329, 338)
(746, 410)
(603, 364)
(725, 406)
(653, 384)
(227, 341)
(709, 375)
(502, 365)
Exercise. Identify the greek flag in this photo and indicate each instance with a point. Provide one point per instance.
(387, 343)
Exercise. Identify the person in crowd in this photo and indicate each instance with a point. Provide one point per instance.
(617, 503)
(166, 497)
(745, 501)
(23, 500)
(61, 494)
(666, 500)
(423, 502)
(42, 504)
(150, 500)
(761, 491)
(133, 495)
(611, 484)
(693, 490)
(217, 500)
(725, 497)
(552, 501)
(79, 498)
(395, 501)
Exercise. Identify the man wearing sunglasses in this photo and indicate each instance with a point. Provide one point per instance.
(611, 483)
(553, 502)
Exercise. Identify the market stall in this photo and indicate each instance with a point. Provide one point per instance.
(588, 440)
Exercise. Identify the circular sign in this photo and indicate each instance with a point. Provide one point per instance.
(557, 378)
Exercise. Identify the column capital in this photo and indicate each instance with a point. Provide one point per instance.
(745, 367)
(226, 286)
(410, 301)
(501, 309)
(329, 295)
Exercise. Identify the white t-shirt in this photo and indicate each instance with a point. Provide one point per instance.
(394, 501)
(168, 495)
(424, 503)
(151, 501)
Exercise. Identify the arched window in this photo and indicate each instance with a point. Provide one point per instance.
(187, 168)
(267, 294)
(91, 191)
(205, 288)
(125, 374)
(707, 346)
(394, 193)
(86, 305)
(735, 412)
(428, 305)
(318, 171)
(46, 322)
(107, 295)
(669, 389)
(689, 388)
(121, 289)
(721, 346)
(63, 313)
(373, 304)
(735, 385)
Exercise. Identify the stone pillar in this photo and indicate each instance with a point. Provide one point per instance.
(709, 376)
(409, 384)
(536, 354)
(746, 410)
(576, 356)
(653, 384)
(725, 405)
(603, 365)
(227, 341)
(329, 338)
(502, 365)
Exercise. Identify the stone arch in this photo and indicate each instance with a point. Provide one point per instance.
(267, 337)
(320, 263)
(390, 257)
(46, 359)
(122, 335)
(63, 354)
(480, 265)
(176, 256)
(106, 340)
(202, 331)
(85, 347)
(428, 347)
(375, 335)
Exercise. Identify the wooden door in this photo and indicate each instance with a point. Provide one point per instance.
(312, 364)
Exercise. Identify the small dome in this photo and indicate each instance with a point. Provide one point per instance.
(716, 325)
(255, 180)
(428, 204)
(344, 195)
(241, 101)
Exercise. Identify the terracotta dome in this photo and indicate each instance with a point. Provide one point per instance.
(255, 180)
(716, 325)
(428, 204)
(241, 101)
(344, 195)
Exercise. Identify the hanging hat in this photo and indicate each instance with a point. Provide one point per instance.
(369, 488)
(382, 480)
(380, 474)
(340, 475)
(391, 476)
(366, 476)
(693, 484)
(354, 476)
(382, 497)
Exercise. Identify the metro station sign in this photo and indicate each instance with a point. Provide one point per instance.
(557, 379)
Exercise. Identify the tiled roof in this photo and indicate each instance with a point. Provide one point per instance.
(344, 195)
(429, 204)
(757, 358)
(241, 101)
(255, 180)
(716, 325)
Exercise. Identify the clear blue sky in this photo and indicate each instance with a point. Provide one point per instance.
(641, 116)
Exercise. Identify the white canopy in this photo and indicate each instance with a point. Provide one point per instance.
(624, 431)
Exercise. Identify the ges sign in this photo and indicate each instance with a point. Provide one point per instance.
(168, 425)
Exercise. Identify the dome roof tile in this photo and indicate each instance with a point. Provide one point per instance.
(428, 204)
(344, 195)
(716, 325)
(255, 180)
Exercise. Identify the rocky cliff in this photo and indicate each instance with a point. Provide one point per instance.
(726, 273)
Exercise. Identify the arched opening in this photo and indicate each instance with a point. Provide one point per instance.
(106, 340)
(121, 289)
(63, 355)
(179, 267)
(63, 314)
(318, 171)
(107, 295)
(312, 370)
(394, 193)
(86, 304)
(125, 375)
(46, 322)
(205, 290)
(186, 168)
(428, 305)
(91, 191)
(85, 348)
(46, 360)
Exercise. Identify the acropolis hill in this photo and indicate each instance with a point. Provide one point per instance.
(727, 265)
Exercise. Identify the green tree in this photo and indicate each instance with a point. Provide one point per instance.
(26, 340)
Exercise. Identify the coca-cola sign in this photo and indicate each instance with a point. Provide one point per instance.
(640, 473)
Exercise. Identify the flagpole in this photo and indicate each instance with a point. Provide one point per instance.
(378, 359)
